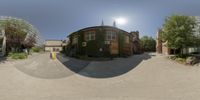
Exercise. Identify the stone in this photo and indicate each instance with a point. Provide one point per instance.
(192, 60)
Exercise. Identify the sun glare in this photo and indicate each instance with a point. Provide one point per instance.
(121, 20)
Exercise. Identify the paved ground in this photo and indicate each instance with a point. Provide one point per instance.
(155, 78)
(103, 69)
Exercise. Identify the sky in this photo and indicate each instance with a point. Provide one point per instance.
(55, 19)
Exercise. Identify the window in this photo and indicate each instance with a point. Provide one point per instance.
(127, 39)
(75, 40)
(111, 35)
(90, 36)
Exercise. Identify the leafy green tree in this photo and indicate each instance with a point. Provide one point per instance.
(148, 43)
(19, 33)
(178, 31)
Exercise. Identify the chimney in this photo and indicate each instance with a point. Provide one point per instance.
(102, 23)
(114, 24)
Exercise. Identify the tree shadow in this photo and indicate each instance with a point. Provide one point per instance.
(103, 69)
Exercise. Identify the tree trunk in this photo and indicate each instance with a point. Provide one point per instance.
(174, 51)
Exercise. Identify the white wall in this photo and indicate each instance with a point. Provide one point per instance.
(51, 49)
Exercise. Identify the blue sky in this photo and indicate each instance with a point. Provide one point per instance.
(55, 19)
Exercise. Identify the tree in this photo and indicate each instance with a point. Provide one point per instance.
(19, 33)
(148, 43)
(178, 32)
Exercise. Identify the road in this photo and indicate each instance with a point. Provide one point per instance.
(155, 78)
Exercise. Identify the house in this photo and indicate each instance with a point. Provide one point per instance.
(103, 41)
(54, 45)
(2, 43)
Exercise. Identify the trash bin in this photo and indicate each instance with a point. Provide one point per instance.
(53, 55)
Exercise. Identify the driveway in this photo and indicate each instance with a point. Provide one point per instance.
(155, 78)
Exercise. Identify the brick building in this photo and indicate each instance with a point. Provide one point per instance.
(103, 41)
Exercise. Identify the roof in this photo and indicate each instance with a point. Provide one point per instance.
(53, 40)
(53, 43)
(98, 27)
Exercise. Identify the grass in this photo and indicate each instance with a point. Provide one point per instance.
(17, 56)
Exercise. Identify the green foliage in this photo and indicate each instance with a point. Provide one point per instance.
(178, 31)
(121, 43)
(181, 58)
(17, 56)
(36, 49)
(18, 33)
(92, 49)
(197, 41)
(148, 43)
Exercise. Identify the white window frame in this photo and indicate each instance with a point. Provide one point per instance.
(111, 35)
(75, 40)
(90, 36)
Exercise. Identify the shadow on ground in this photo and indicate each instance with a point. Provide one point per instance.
(2, 60)
(103, 69)
(42, 66)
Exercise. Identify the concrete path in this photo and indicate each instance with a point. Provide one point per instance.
(103, 69)
(41, 66)
(155, 78)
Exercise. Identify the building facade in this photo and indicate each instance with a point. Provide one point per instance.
(54, 45)
(162, 48)
(2, 43)
(103, 41)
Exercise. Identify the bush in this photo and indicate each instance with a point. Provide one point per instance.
(172, 57)
(185, 59)
(181, 60)
(35, 49)
(185, 56)
(17, 55)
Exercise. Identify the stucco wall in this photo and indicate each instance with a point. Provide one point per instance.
(165, 50)
(53, 42)
(51, 49)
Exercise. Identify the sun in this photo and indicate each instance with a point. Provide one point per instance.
(121, 21)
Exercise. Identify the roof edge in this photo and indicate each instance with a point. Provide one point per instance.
(97, 27)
